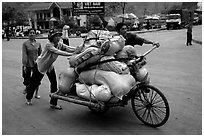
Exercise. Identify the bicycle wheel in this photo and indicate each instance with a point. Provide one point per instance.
(150, 106)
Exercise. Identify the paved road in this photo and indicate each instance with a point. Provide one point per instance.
(174, 68)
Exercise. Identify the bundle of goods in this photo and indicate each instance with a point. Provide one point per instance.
(109, 81)
(66, 80)
(115, 66)
(106, 45)
(119, 85)
(93, 92)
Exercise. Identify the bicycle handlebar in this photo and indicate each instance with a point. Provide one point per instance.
(146, 53)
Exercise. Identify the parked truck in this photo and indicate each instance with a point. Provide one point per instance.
(177, 19)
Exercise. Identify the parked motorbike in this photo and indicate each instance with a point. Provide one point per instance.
(148, 103)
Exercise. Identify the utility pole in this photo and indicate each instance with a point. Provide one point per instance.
(123, 7)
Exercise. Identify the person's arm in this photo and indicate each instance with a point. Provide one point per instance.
(39, 49)
(67, 48)
(54, 50)
(74, 50)
(147, 41)
(24, 54)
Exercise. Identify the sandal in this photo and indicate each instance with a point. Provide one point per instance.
(28, 102)
(56, 107)
(36, 96)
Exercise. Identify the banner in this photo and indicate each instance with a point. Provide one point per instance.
(88, 8)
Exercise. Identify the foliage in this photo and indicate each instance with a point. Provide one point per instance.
(14, 14)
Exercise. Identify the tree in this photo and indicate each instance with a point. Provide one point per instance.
(14, 14)
(112, 8)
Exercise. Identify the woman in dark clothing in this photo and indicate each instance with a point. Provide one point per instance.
(44, 65)
(31, 49)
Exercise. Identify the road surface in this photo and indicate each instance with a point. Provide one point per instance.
(174, 68)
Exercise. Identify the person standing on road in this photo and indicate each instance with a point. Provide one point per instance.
(44, 65)
(189, 34)
(31, 49)
(65, 34)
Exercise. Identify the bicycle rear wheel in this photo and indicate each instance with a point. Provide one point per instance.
(150, 106)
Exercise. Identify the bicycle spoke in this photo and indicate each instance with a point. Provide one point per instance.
(156, 116)
(159, 107)
(140, 108)
(151, 116)
(139, 99)
(144, 112)
(163, 111)
(157, 102)
(153, 97)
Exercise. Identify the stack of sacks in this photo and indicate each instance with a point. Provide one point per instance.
(93, 92)
(115, 66)
(127, 52)
(119, 85)
(87, 56)
(102, 35)
(111, 46)
(66, 79)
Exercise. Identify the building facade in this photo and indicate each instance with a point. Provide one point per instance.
(48, 15)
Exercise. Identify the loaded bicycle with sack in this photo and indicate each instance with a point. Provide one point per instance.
(105, 75)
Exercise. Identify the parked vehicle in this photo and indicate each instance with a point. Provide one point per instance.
(177, 19)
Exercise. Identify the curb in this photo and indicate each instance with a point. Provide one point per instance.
(138, 32)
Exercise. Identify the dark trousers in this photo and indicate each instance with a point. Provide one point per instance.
(189, 38)
(7, 36)
(26, 73)
(36, 81)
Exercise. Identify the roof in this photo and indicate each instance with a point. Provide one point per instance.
(47, 5)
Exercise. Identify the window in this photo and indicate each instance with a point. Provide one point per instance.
(48, 15)
(45, 15)
(40, 15)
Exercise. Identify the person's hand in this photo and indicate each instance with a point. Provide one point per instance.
(24, 69)
(156, 44)
(78, 49)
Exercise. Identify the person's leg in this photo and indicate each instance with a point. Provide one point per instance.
(190, 38)
(187, 37)
(34, 83)
(53, 85)
(26, 73)
(36, 93)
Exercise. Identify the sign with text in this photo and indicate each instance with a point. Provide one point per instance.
(88, 8)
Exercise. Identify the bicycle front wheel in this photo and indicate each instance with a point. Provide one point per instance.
(150, 106)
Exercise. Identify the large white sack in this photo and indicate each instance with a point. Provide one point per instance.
(118, 84)
(93, 92)
(115, 66)
(66, 79)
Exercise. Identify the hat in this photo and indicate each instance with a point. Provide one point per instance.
(53, 32)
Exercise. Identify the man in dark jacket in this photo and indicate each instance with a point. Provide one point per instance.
(189, 34)
(132, 39)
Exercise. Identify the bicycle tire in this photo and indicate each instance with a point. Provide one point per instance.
(147, 108)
